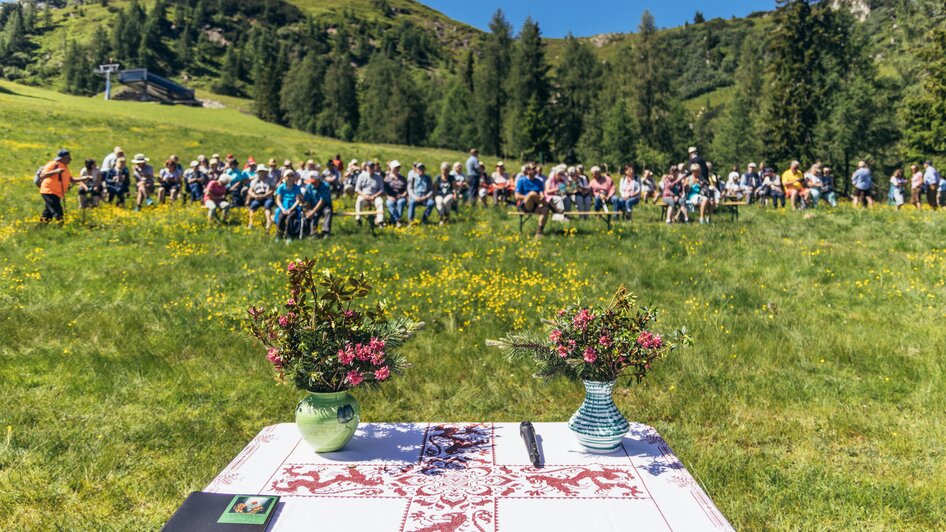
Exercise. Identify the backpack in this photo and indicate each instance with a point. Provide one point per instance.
(38, 178)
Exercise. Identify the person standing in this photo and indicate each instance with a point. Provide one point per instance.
(473, 176)
(916, 186)
(931, 179)
(895, 194)
(827, 187)
(695, 158)
(863, 182)
(55, 180)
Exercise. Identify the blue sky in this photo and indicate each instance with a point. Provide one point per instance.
(589, 17)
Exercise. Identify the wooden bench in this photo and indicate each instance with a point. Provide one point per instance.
(606, 217)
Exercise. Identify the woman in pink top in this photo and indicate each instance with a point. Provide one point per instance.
(555, 187)
(602, 189)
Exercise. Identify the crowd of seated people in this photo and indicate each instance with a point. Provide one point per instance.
(297, 198)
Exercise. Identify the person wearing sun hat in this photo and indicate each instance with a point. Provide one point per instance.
(144, 180)
(261, 194)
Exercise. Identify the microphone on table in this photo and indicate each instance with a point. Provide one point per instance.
(527, 431)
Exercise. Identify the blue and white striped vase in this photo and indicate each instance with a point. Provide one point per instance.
(598, 424)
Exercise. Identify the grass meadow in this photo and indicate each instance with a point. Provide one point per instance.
(814, 396)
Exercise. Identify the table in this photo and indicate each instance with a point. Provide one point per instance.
(469, 476)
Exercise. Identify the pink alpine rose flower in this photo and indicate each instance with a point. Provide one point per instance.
(354, 377)
(590, 356)
(382, 373)
(555, 336)
(605, 341)
(582, 319)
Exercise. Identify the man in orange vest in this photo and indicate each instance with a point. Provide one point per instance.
(55, 179)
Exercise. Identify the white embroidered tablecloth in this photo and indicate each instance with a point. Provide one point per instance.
(469, 476)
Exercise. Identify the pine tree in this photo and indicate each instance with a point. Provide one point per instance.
(527, 121)
(654, 95)
(456, 127)
(926, 113)
(490, 79)
(618, 136)
(267, 77)
(339, 116)
(792, 108)
(228, 84)
(737, 141)
(301, 96)
(578, 81)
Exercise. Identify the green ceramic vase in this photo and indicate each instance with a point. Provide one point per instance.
(327, 421)
(598, 424)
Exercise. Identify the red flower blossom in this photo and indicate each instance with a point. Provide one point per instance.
(555, 336)
(590, 356)
(382, 373)
(354, 377)
(582, 319)
(605, 341)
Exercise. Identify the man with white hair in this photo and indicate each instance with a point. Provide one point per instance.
(109, 161)
(863, 182)
(750, 183)
(370, 191)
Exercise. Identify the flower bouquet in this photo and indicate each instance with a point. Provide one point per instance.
(598, 345)
(324, 345)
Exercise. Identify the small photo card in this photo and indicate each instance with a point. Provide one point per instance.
(249, 510)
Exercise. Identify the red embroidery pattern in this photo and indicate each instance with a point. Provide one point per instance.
(455, 486)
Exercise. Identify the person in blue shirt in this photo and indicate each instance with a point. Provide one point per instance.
(931, 182)
(318, 200)
(237, 183)
(750, 183)
(862, 182)
(530, 195)
(422, 193)
(289, 202)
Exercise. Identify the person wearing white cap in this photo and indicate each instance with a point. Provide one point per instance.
(144, 180)
(370, 191)
(351, 178)
(395, 188)
(750, 183)
(261, 193)
(194, 180)
(695, 158)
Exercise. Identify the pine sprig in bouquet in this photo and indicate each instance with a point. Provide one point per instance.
(599, 344)
(321, 342)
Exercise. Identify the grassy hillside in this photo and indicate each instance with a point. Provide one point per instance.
(34, 123)
(812, 399)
